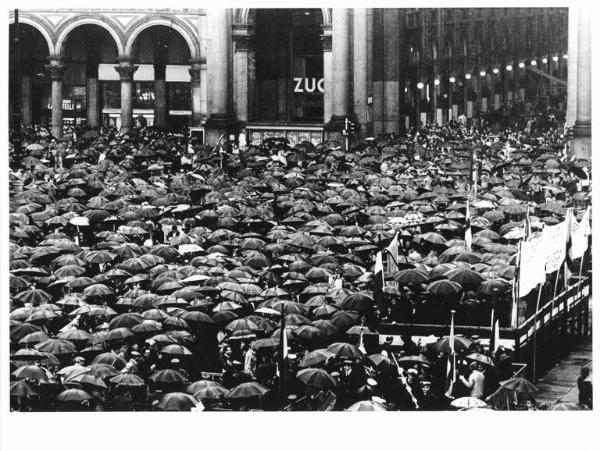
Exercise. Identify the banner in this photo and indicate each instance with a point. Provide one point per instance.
(580, 231)
(531, 268)
(554, 245)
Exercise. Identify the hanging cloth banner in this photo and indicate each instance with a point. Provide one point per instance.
(555, 242)
(531, 269)
(580, 231)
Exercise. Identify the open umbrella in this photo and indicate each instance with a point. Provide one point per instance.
(468, 402)
(461, 344)
(316, 378)
(73, 395)
(366, 406)
(213, 391)
(168, 376)
(568, 406)
(127, 380)
(483, 359)
(178, 401)
(520, 385)
(344, 350)
(22, 388)
(247, 390)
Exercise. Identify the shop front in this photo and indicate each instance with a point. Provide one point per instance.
(176, 101)
(289, 76)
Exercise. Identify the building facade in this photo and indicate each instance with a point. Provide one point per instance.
(297, 73)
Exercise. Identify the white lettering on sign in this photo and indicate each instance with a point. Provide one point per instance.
(310, 84)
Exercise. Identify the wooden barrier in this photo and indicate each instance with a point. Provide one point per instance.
(560, 324)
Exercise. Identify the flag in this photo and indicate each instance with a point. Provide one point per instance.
(283, 352)
(451, 366)
(515, 292)
(569, 265)
(495, 335)
(392, 255)
(527, 224)
(532, 265)
(579, 232)
(468, 233)
(378, 284)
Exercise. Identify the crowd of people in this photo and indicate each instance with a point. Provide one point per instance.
(150, 272)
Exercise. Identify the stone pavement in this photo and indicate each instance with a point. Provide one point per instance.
(560, 383)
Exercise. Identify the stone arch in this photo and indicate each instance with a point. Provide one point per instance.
(186, 32)
(102, 21)
(246, 16)
(40, 25)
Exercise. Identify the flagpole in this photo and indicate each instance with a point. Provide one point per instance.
(537, 307)
(493, 335)
(556, 279)
(516, 282)
(451, 359)
(282, 354)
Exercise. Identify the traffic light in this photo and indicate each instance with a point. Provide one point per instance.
(350, 128)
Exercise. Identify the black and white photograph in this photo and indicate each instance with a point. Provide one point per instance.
(225, 211)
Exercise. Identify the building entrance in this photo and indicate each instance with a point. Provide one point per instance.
(289, 65)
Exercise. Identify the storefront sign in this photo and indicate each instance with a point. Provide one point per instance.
(309, 84)
(67, 105)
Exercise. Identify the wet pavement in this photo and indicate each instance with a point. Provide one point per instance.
(560, 383)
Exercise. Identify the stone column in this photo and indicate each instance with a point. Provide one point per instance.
(160, 95)
(221, 121)
(582, 131)
(57, 71)
(244, 75)
(341, 67)
(572, 67)
(195, 85)
(360, 68)
(391, 71)
(327, 74)
(92, 94)
(377, 70)
(126, 71)
(434, 95)
(26, 85)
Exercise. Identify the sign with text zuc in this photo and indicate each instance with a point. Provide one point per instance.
(308, 85)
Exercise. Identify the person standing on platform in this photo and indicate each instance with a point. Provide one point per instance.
(584, 385)
(476, 381)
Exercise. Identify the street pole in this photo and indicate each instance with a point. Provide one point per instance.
(17, 115)
(346, 131)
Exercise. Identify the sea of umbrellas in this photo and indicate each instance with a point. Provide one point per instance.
(138, 283)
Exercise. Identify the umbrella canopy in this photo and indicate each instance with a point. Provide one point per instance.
(247, 390)
(483, 359)
(74, 395)
(22, 388)
(168, 376)
(344, 351)
(316, 378)
(468, 402)
(213, 391)
(566, 406)
(177, 401)
(366, 406)
(461, 344)
(520, 385)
